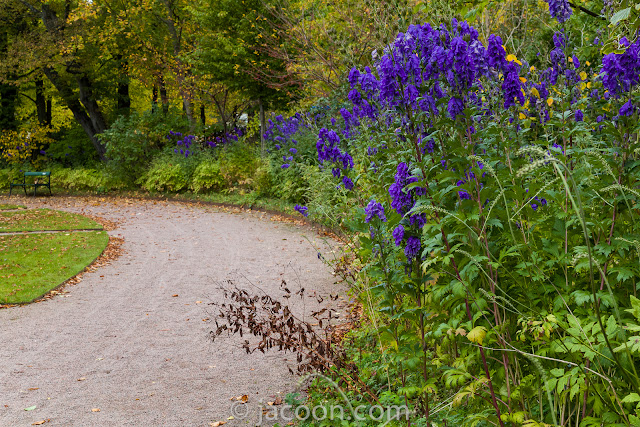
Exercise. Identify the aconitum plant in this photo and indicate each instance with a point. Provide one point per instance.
(513, 219)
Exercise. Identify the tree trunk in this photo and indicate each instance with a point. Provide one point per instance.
(8, 99)
(124, 99)
(8, 95)
(164, 97)
(87, 113)
(43, 105)
(263, 143)
(203, 116)
(154, 98)
(86, 110)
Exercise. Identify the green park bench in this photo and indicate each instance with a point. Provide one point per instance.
(24, 184)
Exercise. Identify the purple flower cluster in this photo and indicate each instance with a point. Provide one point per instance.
(560, 9)
(536, 202)
(329, 151)
(303, 210)
(374, 209)
(184, 145)
(280, 134)
(426, 64)
(403, 200)
(621, 72)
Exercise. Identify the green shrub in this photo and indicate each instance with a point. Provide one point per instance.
(82, 179)
(166, 176)
(290, 184)
(238, 164)
(7, 176)
(207, 176)
(263, 179)
(132, 142)
(72, 147)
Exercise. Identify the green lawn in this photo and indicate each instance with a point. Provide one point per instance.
(33, 264)
(10, 207)
(44, 220)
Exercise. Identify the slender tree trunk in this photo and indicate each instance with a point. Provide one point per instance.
(163, 96)
(263, 143)
(8, 95)
(8, 99)
(43, 105)
(203, 116)
(124, 99)
(182, 69)
(154, 98)
(221, 106)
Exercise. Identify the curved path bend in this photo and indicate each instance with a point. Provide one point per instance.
(121, 342)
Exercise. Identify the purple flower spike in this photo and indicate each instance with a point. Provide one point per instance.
(374, 209)
(398, 235)
(412, 250)
(560, 9)
(627, 109)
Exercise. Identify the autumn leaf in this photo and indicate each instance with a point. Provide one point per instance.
(477, 334)
(39, 423)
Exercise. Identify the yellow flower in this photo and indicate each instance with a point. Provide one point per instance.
(512, 58)
(550, 101)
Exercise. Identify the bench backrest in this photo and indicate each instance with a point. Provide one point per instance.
(37, 173)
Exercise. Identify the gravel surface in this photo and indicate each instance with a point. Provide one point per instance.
(128, 344)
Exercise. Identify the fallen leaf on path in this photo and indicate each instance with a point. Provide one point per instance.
(33, 388)
(95, 410)
(81, 379)
(217, 423)
(30, 408)
(231, 418)
(39, 423)
(243, 398)
(175, 295)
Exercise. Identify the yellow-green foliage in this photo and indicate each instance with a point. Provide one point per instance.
(16, 147)
(206, 177)
(166, 177)
(238, 164)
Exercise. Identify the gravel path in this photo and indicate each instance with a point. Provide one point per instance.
(120, 341)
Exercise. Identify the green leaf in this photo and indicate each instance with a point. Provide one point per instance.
(30, 408)
(620, 15)
(635, 307)
(631, 398)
